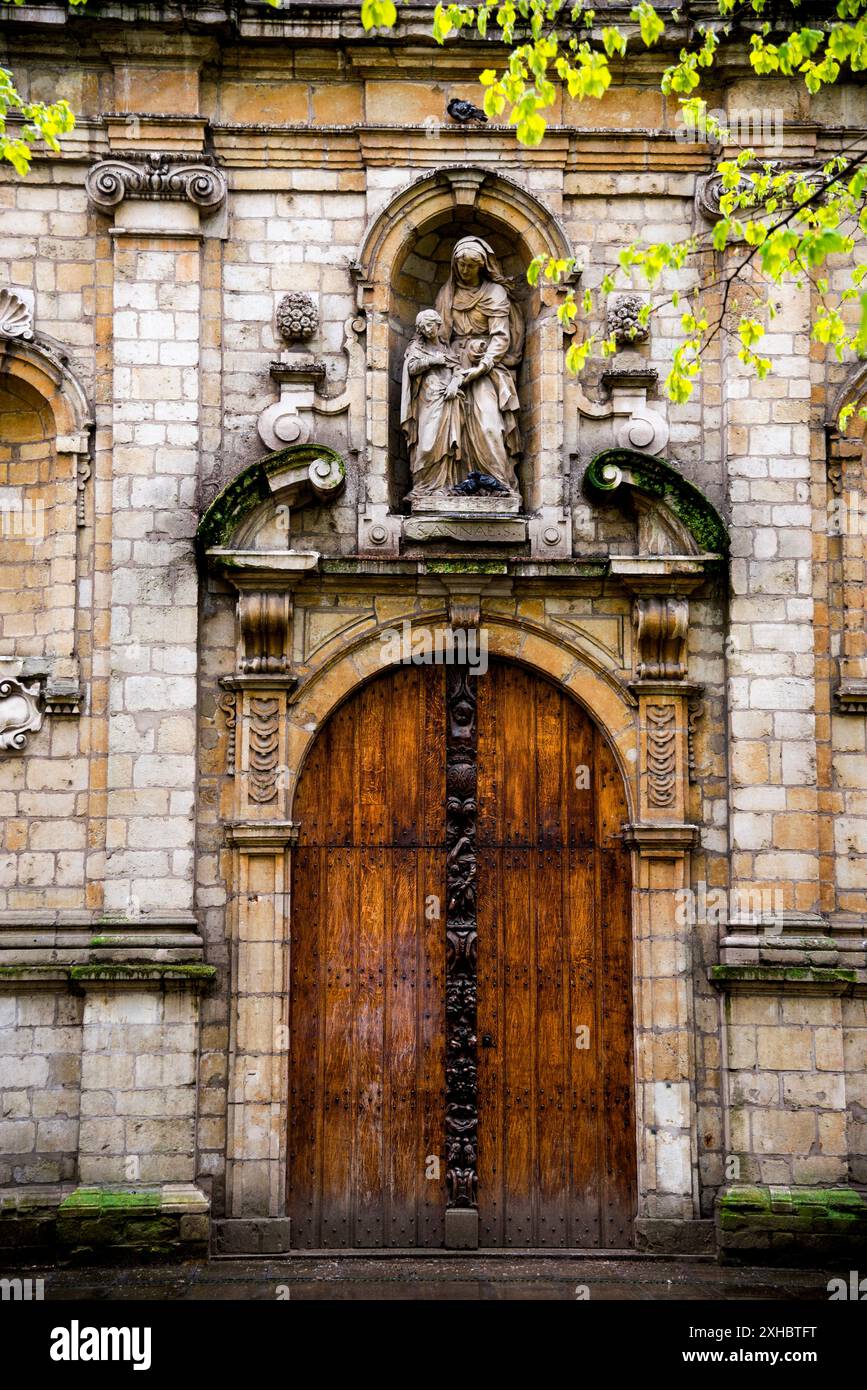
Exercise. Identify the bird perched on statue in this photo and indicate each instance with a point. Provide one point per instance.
(465, 113)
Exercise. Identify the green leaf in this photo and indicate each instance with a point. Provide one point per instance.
(380, 14)
(613, 41)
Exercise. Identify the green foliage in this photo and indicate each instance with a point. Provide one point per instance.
(778, 225)
(39, 122)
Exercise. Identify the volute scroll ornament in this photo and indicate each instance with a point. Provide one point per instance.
(21, 713)
(111, 181)
(661, 630)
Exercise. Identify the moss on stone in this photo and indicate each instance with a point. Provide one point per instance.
(111, 1199)
(655, 478)
(727, 974)
(250, 488)
(465, 567)
(123, 970)
(820, 1211)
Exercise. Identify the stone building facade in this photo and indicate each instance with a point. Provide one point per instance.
(205, 303)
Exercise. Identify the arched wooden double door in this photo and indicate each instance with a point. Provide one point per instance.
(551, 1071)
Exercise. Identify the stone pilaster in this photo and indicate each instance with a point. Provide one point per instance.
(156, 305)
(774, 695)
(662, 840)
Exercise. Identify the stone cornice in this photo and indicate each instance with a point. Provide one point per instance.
(660, 839)
(109, 975)
(785, 979)
(262, 837)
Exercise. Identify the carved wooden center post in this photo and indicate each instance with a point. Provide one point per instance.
(461, 1107)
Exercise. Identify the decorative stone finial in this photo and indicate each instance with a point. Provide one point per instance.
(297, 316)
(624, 321)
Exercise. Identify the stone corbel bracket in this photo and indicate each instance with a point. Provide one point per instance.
(300, 377)
(850, 697)
(660, 583)
(135, 190)
(635, 424)
(465, 590)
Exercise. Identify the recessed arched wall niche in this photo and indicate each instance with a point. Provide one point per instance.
(417, 277)
(404, 260)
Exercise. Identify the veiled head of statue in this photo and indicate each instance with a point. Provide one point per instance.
(474, 259)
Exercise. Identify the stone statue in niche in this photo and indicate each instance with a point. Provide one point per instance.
(459, 403)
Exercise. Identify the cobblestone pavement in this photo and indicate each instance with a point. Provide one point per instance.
(464, 1277)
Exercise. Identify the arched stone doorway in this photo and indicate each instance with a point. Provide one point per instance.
(400, 1110)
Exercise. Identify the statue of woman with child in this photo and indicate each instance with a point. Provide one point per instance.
(459, 404)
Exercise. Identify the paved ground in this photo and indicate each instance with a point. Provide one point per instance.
(463, 1277)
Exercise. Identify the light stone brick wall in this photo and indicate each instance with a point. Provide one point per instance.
(854, 1020)
(151, 753)
(40, 1083)
(787, 1089)
(138, 1086)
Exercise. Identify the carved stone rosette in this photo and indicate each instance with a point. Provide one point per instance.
(624, 319)
(461, 1099)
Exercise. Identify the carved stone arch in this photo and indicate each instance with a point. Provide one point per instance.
(608, 703)
(445, 192)
(247, 532)
(253, 511)
(50, 376)
(394, 283)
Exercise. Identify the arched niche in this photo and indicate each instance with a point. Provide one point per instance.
(44, 466)
(404, 260)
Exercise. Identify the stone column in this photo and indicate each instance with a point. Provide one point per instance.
(778, 592)
(140, 1019)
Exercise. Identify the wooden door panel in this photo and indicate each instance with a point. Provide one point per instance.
(556, 1118)
(556, 1150)
(366, 973)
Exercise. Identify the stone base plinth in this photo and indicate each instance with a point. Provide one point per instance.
(133, 1224)
(660, 1236)
(789, 1224)
(261, 1235)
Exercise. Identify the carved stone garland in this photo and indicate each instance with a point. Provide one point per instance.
(661, 754)
(461, 1101)
(264, 748)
